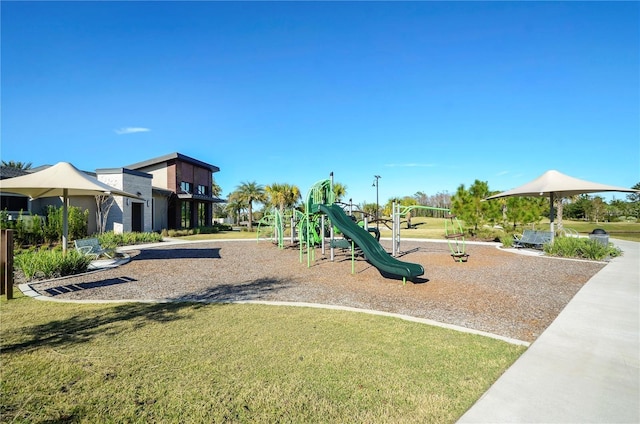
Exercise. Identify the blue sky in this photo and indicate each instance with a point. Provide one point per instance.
(428, 95)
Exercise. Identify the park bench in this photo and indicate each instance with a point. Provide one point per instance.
(533, 238)
(91, 247)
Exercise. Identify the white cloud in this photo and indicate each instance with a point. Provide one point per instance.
(131, 130)
(410, 165)
(501, 173)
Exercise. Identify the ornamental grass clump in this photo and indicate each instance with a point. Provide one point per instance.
(581, 248)
(47, 263)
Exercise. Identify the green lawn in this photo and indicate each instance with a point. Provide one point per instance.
(181, 362)
(621, 230)
(222, 235)
(433, 228)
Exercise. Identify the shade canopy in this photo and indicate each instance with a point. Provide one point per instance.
(560, 185)
(554, 184)
(53, 181)
(60, 180)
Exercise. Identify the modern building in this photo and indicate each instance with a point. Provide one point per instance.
(182, 195)
(174, 193)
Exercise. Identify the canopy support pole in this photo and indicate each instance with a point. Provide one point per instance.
(65, 219)
(551, 216)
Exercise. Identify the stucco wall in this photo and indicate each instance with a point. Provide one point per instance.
(115, 219)
(120, 216)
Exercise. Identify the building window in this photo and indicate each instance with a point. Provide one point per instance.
(14, 203)
(202, 215)
(186, 187)
(202, 190)
(185, 215)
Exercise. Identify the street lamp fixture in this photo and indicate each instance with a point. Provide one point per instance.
(375, 184)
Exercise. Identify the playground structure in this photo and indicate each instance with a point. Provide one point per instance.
(452, 230)
(273, 225)
(312, 228)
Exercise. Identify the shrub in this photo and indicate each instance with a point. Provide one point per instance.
(213, 229)
(487, 234)
(177, 233)
(593, 249)
(582, 248)
(111, 240)
(507, 240)
(51, 263)
(77, 224)
(207, 230)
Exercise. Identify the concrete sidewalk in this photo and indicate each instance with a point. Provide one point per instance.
(585, 367)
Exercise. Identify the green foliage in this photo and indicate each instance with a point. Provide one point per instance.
(282, 195)
(51, 263)
(111, 240)
(4, 220)
(339, 191)
(523, 210)
(216, 190)
(369, 209)
(53, 225)
(468, 205)
(77, 224)
(212, 229)
(30, 229)
(181, 233)
(487, 233)
(404, 201)
(16, 164)
(247, 193)
(507, 240)
(581, 248)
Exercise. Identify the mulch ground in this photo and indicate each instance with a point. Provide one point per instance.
(497, 291)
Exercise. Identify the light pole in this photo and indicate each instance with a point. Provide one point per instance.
(375, 184)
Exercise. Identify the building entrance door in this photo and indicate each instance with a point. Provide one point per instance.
(137, 217)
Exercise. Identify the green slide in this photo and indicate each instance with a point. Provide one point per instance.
(375, 253)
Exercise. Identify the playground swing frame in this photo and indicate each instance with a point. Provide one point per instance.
(456, 241)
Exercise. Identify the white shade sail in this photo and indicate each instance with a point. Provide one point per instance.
(53, 181)
(560, 185)
(554, 184)
(60, 180)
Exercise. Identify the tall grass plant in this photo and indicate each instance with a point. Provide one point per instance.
(50, 263)
(582, 248)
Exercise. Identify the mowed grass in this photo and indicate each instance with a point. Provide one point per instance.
(622, 230)
(181, 362)
(222, 235)
(434, 228)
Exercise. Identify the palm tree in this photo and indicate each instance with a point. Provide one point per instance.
(17, 165)
(339, 191)
(247, 193)
(234, 207)
(216, 190)
(283, 195)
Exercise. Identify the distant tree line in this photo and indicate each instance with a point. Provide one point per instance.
(469, 206)
(467, 203)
